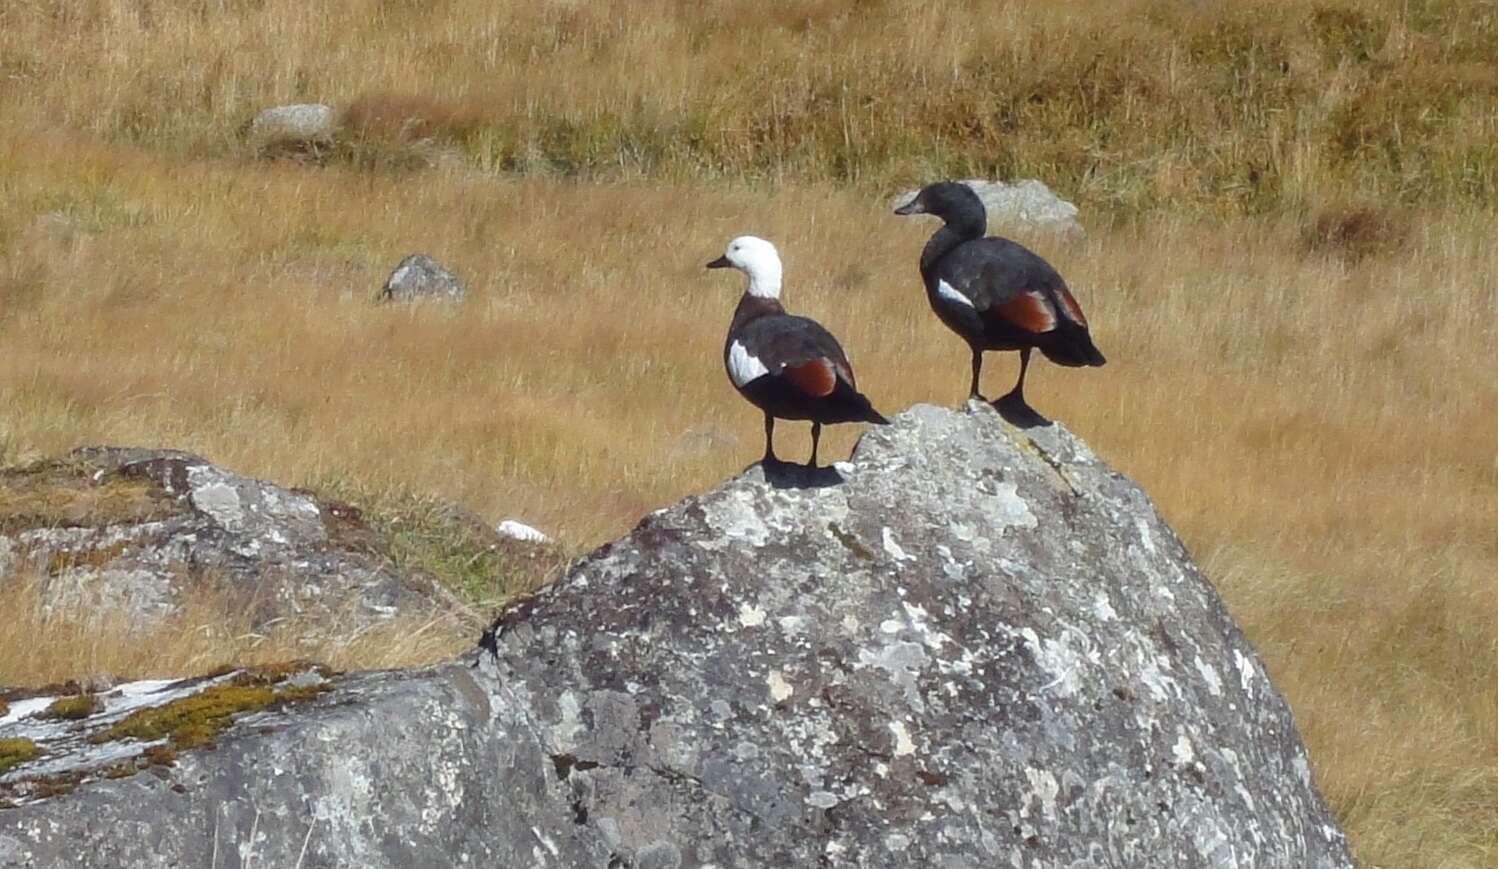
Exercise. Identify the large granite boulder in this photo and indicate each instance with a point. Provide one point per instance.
(970, 645)
(106, 529)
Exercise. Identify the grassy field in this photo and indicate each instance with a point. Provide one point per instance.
(1289, 266)
(1245, 106)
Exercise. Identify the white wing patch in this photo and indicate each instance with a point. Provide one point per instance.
(946, 291)
(742, 367)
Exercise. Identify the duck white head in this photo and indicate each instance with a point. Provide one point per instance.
(756, 258)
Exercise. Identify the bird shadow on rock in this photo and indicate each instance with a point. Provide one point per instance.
(786, 475)
(1017, 413)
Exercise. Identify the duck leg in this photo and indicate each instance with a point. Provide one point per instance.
(816, 435)
(972, 391)
(1016, 396)
(769, 458)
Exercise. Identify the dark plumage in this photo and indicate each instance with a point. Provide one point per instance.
(787, 366)
(994, 293)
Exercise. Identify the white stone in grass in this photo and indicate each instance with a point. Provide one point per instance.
(301, 122)
(520, 531)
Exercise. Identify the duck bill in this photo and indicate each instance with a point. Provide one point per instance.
(914, 206)
(720, 263)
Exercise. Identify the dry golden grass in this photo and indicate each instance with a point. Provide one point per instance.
(43, 645)
(1235, 107)
(1305, 386)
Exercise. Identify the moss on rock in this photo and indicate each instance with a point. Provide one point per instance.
(159, 755)
(73, 708)
(67, 493)
(54, 785)
(275, 674)
(298, 693)
(16, 751)
(63, 560)
(193, 720)
(186, 722)
(198, 719)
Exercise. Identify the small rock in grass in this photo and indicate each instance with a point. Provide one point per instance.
(293, 129)
(1026, 203)
(418, 276)
(521, 531)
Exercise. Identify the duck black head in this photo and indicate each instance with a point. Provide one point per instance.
(956, 204)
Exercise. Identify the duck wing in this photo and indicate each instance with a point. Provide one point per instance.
(1009, 286)
(796, 350)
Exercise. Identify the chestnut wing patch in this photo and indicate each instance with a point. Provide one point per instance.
(1070, 306)
(1029, 311)
(816, 378)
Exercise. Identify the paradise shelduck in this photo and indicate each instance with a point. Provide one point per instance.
(996, 293)
(787, 366)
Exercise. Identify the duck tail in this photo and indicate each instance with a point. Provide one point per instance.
(1073, 348)
(863, 410)
(853, 406)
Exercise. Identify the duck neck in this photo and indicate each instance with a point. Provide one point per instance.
(944, 240)
(967, 217)
(752, 307)
(764, 281)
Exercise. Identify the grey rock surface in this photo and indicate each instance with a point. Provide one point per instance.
(413, 769)
(108, 529)
(970, 645)
(417, 277)
(1026, 204)
(304, 124)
